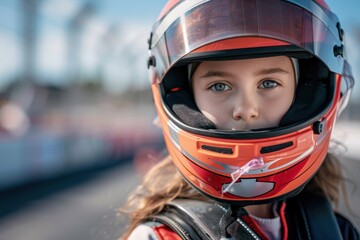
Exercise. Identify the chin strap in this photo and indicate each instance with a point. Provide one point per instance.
(229, 217)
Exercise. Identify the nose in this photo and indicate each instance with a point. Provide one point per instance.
(245, 108)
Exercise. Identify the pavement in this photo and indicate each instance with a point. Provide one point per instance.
(84, 206)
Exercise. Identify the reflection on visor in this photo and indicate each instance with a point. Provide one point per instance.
(212, 21)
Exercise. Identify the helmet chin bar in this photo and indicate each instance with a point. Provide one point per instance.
(284, 172)
(244, 203)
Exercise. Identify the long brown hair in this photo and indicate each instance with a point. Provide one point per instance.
(164, 183)
(160, 185)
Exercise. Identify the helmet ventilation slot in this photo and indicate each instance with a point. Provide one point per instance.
(217, 149)
(277, 147)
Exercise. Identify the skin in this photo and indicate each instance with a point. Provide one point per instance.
(245, 95)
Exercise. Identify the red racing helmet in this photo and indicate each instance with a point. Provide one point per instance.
(220, 163)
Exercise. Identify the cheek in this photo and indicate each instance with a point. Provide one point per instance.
(275, 111)
(214, 108)
(211, 108)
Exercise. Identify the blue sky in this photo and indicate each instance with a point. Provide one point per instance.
(347, 10)
(133, 18)
(141, 11)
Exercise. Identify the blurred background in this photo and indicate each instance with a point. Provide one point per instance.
(76, 113)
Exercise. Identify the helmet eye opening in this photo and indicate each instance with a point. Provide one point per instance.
(314, 96)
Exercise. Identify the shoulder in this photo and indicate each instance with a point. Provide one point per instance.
(348, 230)
(153, 231)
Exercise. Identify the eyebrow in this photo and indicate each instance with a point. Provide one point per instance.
(266, 71)
(215, 74)
(271, 71)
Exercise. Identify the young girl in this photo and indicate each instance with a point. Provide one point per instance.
(247, 94)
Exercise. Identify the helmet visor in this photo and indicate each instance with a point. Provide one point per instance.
(193, 24)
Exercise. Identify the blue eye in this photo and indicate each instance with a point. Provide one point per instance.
(219, 87)
(268, 84)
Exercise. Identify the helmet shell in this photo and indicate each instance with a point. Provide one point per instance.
(292, 153)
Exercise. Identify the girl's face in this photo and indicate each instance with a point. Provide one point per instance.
(245, 94)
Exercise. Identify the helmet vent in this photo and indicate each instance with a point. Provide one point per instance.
(217, 149)
(275, 148)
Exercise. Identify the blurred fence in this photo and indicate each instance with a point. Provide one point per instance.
(45, 151)
(47, 132)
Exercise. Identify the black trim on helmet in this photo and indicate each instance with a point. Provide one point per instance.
(246, 53)
(200, 125)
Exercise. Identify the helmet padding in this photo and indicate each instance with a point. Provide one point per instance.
(182, 103)
(311, 92)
